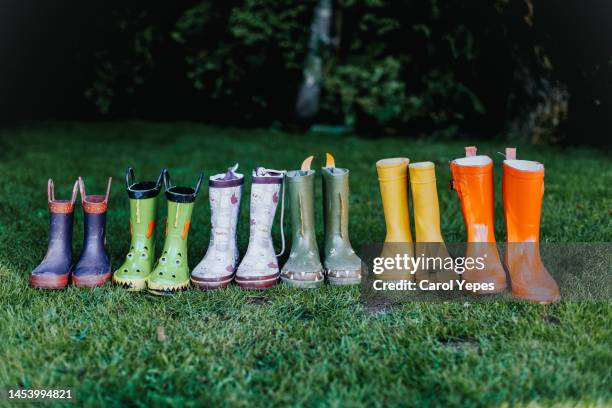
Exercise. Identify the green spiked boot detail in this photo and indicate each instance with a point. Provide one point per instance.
(138, 262)
(342, 266)
(303, 268)
(171, 273)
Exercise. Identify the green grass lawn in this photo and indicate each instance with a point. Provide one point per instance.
(285, 346)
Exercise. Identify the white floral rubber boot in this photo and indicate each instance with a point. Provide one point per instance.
(216, 269)
(259, 267)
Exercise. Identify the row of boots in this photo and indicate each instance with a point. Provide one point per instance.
(220, 265)
(472, 179)
(259, 267)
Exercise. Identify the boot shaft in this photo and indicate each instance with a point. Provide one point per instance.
(94, 218)
(61, 221)
(523, 189)
(472, 179)
(143, 206)
(425, 202)
(178, 222)
(225, 193)
(393, 180)
(60, 232)
(143, 213)
(265, 194)
(335, 203)
(181, 200)
(300, 189)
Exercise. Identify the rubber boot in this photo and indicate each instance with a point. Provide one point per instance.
(94, 267)
(216, 269)
(138, 262)
(171, 273)
(472, 179)
(54, 270)
(342, 265)
(523, 189)
(303, 269)
(393, 181)
(259, 267)
(429, 241)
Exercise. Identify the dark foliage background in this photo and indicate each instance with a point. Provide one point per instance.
(538, 71)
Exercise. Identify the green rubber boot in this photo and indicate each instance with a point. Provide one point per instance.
(303, 268)
(138, 262)
(171, 273)
(342, 265)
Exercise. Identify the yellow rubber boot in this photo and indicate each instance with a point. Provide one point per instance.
(393, 180)
(429, 241)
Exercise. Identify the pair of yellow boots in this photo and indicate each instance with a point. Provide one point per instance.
(393, 179)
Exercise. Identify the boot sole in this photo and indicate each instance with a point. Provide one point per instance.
(538, 300)
(49, 281)
(302, 284)
(343, 281)
(90, 281)
(351, 279)
(257, 282)
(168, 290)
(211, 284)
(131, 285)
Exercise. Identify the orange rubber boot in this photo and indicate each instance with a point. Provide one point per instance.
(393, 180)
(523, 189)
(472, 179)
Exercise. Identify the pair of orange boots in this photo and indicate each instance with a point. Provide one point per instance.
(522, 189)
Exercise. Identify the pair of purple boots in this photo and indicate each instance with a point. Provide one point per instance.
(93, 267)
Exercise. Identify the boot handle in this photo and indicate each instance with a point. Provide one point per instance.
(198, 184)
(51, 191)
(282, 216)
(84, 193)
(168, 182)
(129, 177)
(160, 179)
(108, 189)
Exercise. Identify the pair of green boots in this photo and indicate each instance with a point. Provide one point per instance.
(171, 272)
(341, 265)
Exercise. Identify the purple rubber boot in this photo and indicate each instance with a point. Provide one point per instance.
(93, 268)
(54, 270)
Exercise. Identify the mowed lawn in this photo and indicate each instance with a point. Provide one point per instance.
(285, 346)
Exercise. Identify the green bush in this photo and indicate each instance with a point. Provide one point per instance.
(411, 66)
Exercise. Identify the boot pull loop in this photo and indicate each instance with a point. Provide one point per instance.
(50, 190)
(470, 151)
(282, 216)
(129, 177)
(198, 184)
(160, 179)
(166, 178)
(82, 189)
(510, 153)
(108, 189)
(75, 190)
(306, 163)
(330, 162)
